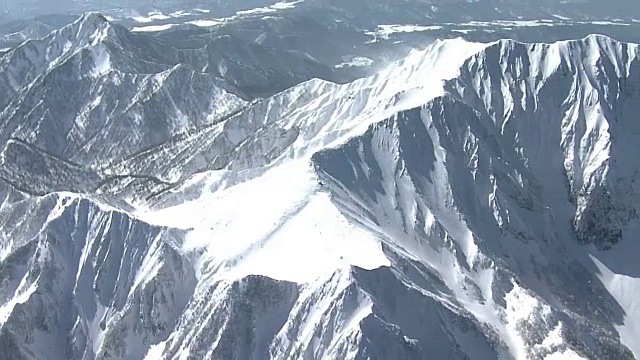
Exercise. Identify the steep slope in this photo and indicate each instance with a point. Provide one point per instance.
(14, 32)
(433, 206)
(585, 93)
(587, 143)
(92, 84)
(83, 281)
(35, 172)
(89, 86)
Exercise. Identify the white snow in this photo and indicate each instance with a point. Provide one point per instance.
(463, 31)
(180, 13)
(312, 243)
(279, 221)
(283, 214)
(356, 61)
(151, 17)
(609, 23)
(100, 35)
(284, 5)
(625, 289)
(385, 31)
(23, 293)
(155, 351)
(508, 23)
(153, 28)
(150, 266)
(206, 22)
(520, 306)
(279, 225)
(554, 338)
(101, 61)
(154, 16)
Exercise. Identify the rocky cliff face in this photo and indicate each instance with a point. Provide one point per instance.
(572, 100)
(84, 281)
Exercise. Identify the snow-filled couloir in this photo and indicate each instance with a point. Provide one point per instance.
(469, 201)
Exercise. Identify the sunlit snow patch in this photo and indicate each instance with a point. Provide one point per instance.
(520, 307)
(217, 21)
(179, 14)
(314, 241)
(152, 28)
(151, 17)
(206, 22)
(356, 61)
(285, 5)
(101, 61)
(385, 31)
(22, 294)
(626, 290)
(564, 355)
(278, 225)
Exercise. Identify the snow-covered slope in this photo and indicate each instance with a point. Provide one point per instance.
(83, 281)
(566, 112)
(510, 171)
(469, 201)
(92, 85)
(78, 92)
(300, 120)
(580, 96)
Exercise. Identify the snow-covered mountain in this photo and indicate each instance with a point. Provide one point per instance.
(470, 201)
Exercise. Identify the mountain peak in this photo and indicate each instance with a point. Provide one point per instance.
(93, 17)
(92, 26)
